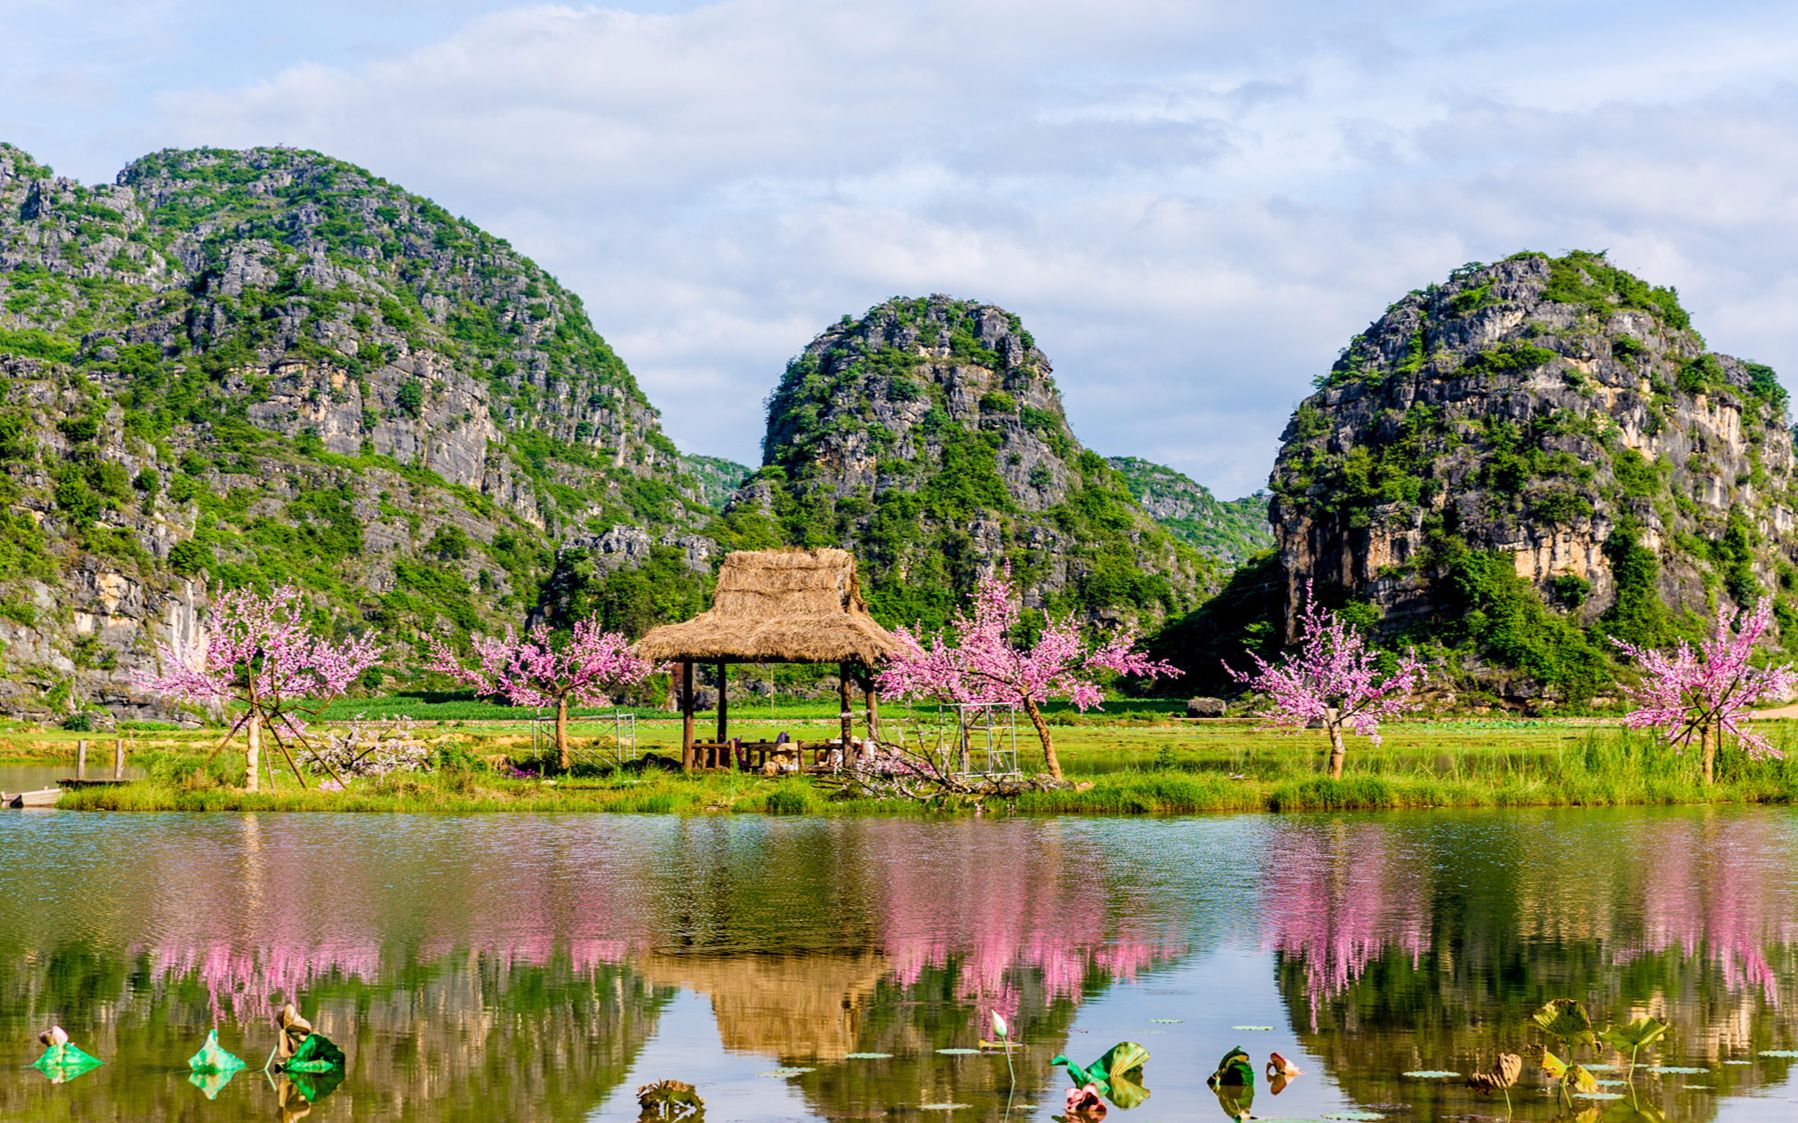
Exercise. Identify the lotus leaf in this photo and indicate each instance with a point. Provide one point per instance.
(313, 1086)
(213, 1058)
(64, 1062)
(1123, 1058)
(1238, 1101)
(1566, 1020)
(1503, 1074)
(1234, 1071)
(316, 1054)
(1638, 1034)
(211, 1082)
(1125, 1091)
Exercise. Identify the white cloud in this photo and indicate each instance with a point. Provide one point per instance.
(1193, 206)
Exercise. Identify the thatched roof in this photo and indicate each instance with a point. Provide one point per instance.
(778, 606)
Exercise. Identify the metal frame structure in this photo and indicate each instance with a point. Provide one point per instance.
(624, 740)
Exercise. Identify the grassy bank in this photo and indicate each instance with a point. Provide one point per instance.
(1116, 769)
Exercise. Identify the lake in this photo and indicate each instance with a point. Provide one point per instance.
(541, 967)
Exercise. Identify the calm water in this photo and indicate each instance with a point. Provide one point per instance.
(511, 967)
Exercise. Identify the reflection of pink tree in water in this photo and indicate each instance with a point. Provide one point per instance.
(1019, 911)
(1343, 898)
(1720, 890)
(287, 919)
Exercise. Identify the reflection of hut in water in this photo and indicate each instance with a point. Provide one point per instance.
(784, 1007)
(775, 606)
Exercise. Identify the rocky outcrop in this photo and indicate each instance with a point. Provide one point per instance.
(269, 365)
(928, 437)
(1558, 417)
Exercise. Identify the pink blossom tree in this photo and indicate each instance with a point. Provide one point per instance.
(536, 670)
(1701, 694)
(1329, 675)
(981, 665)
(261, 654)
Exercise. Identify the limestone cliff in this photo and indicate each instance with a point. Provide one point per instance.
(928, 436)
(1554, 425)
(270, 365)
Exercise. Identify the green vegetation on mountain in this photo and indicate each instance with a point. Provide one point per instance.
(269, 365)
(928, 436)
(1515, 466)
(1231, 531)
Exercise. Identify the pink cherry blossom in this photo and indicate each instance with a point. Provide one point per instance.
(980, 664)
(1701, 694)
(261, 653)
(1329, 676)
(534, 670)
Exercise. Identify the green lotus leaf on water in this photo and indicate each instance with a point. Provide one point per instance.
(213, 1058)
(1237, 1101)
(867, 1056)
(1355, 1116)
(1166, 1021)
(1637, 1034)
(1122, 1059)
(1254, 1029)
(316, 1055)
(1125, 1091)
(1565, 1019)
(1234, 1071)
(211, 1082)
(1779, 1052)
(1597, 1095)
(1679, 1070)
(785, 1071)
(62, 1063)
(1431, 1074)
(958, 1052)
(943, 1107)
(314, 1086)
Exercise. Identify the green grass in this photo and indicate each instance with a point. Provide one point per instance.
(1117, 769)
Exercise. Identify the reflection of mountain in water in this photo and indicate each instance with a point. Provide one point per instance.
(514, 967)
(462, 1037)
(1401, 950)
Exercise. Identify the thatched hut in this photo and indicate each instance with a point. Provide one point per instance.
(777, 606)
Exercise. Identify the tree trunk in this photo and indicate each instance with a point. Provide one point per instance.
(253, 755)
(1333, 722)
(563, 760)
(1709, 738)
(1042, 731)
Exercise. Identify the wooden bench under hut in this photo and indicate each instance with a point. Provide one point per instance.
(775, 606)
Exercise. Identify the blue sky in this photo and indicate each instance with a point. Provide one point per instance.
(1193, 206)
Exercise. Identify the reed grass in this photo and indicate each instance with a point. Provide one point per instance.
(1590, 767)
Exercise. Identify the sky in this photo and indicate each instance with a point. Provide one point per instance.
(1192, 205)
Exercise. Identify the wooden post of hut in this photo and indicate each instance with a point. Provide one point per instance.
(686, 715)
(723, 705)
(847, 716)
(873, 711)
(779, 606)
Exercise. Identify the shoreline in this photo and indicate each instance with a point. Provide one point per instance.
(1122, 794)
